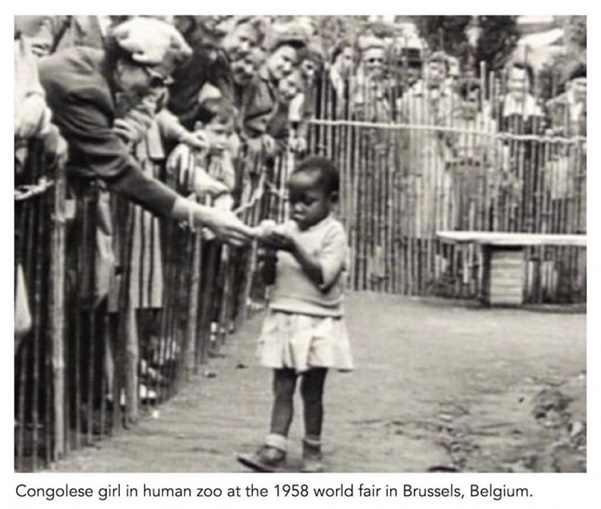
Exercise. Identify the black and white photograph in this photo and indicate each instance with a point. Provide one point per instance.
(300, 244)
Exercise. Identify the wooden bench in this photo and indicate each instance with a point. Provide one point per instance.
(503, 260)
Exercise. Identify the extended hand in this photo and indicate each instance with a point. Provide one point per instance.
(225, 225)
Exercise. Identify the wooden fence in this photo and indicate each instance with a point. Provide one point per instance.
(419, 159)
(123, 307)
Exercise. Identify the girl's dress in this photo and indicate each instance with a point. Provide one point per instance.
(304, 326)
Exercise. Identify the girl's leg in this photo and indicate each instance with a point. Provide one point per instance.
(272, 454)
(284, 384)
(312, 387)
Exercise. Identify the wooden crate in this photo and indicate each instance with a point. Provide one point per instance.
(503, 277)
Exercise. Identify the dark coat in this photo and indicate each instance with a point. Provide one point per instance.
(83, 105)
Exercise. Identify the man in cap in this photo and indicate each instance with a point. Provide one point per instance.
(407, 55)
(85, 87)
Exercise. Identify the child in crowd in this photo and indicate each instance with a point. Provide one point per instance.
(304, 334)
(209, 172)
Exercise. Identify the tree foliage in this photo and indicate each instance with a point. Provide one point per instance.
(576, 32)
(446, 33)
(498, 40)
(554, 74)
(498, 37)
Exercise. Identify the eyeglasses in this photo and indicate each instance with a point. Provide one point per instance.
(157, 80)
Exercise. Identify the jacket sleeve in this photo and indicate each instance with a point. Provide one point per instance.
(88, 130)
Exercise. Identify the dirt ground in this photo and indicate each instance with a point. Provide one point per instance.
(439, 385)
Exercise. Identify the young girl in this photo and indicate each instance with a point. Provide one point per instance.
(303, 334)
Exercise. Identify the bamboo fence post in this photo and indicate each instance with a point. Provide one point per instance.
(401, 219)
(360, 212)
(90, 336)
(383, 224)
(386, 170)
(191, 326)
(77, 351)
(170, 231)
(390, 254)
(425, 205)
(345, 176)
(128, 333)
(413, 220)
(24, 214)
(37, 326)
(22, 400)
(362, 232)
(226, 296)
(547, 187)
(206, 313)
(329, 140)
(581, 194)
(372, 207)
(378, 199)
(539, 214)
(355, 210)
(493, 191)
(401, 199)
(324, 105)
(367, 216)
(180, 314)
(573, 159)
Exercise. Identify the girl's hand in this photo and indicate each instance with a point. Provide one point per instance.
(280, 240)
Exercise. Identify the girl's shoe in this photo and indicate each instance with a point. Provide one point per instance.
(266, 459)
(312, 459)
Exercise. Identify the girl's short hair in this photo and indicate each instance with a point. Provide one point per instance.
(325, 169)
(217, 108)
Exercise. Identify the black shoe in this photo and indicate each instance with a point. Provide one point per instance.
(266, 459)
